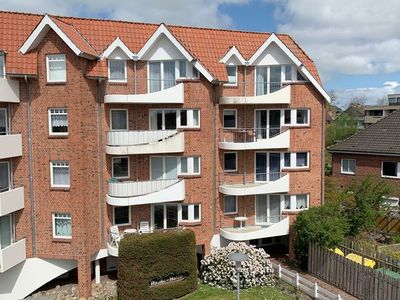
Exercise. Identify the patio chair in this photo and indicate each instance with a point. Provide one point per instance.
(144, 227)
(115, 235)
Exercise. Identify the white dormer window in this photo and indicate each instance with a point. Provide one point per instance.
(117, 70)
(182, 69)
(195, 73)
(2, 65)
(56, 68)
(232, 74)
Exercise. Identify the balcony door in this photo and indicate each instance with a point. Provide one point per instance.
(3, 121)
(268, 79)
(268, 209)
(4, 176)
(161, 75)
(163, 119)
(267, 166)
(267, 123)
(165, 216)
(6, 231)
(163, 167)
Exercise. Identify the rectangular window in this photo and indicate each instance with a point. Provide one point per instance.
(119, 119)
(288, 72)
(230, 204)
(185, 213)
(297, 117)
(189, 165)
(58, 121)
(287, 160)
(232, 74)
(182, 69)
(296, 160)
(59, 173)
(120, 167)
(288, 119)
(196, 212)
(122, 215)
(230, 118)
(348, 166)
(183, 121)
(301, 159)
(302, 116)
(62, 225)
(189, 118)
(163, 167)
(56, 68)
(230, 161)
(3, 121)
(2, 65)
(5, 176)
(301, 201)
(295, 202)
(287, 202)
(6, 231)
(195, 72)
(169, 215)
(390, 169)
(117, 70)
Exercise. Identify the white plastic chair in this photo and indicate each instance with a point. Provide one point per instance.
(144, 227)
(116, 236)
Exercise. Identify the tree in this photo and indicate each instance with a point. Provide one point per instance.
(341, 128)
(358, 100)
(383, 101)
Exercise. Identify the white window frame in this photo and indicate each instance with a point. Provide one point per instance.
(125, 80)
(123, 224)
(236, 205)
(223, 118)
(342, 171)
(8, 163)
(236, 161)
(229, 83)
(191, 218)
(112, 168)
(7, 120)
(293, 202)
(53, 215)
(293, 117)
(127, 119)
(398, 170)
(189, 118)
(48, 68)
(3, 58)
(293, 160)
(50, 113)
(190, 165)
(163, 159)
(195, 71)
(62, 163)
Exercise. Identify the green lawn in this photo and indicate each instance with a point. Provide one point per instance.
(207, 292)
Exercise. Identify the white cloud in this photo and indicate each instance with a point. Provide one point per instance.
(183, 12)
(345, 37)
(372, 94)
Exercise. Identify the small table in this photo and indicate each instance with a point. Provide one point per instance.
(241, 220)
(130, 231)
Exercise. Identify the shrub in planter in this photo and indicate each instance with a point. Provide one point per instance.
(218, 270)
(160, 265)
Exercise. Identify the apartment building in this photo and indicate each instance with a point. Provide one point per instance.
(374, 113)
(111, 128)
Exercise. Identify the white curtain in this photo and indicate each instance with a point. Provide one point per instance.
(117, 69)
(5, 231)
(61, 175)
(57, 68)
(170, 168)
(4, 177)
(154, 77)
(118, 120)
(169, 74)
(261, 209)
(274, 208)
(157, 168)
(261, 80)
(63, 226)
(275, 74)
(301, 201)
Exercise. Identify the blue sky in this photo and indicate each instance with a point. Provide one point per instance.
(355, 44)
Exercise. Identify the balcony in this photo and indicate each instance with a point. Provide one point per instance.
(251, 92)
(254, 138)
(251, 184)
(128, 193)
(12, 255)
(9, 90)
(150, 91)
(11, 145)
(11, 200)
(270, 227)
(145, 142)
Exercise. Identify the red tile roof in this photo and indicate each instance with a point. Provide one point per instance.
(93, 36)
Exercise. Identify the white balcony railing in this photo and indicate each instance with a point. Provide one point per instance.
(11, 145)
(145, 192)
(11, 200)
(145, 142)
(254, 184)
(12, 255)
(254, 138)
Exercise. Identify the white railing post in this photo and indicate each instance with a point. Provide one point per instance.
(316, 290)
(297, 280)
(339, 297)
(279, 271)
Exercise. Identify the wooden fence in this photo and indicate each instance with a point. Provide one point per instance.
(356, 279)
(388, 224)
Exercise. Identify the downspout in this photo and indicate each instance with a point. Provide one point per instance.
(30, 150)
(323, 155)
(99, 125)
(214, 161)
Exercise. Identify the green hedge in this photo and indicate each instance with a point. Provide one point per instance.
(152, 257)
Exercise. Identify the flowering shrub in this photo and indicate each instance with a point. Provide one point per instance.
(218, 270)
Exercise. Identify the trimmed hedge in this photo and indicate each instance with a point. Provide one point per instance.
(153, 257)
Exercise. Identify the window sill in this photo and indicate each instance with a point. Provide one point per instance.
(61, 189)
(62, 240)
(189, 176)
(345, 173)
(231, 214)
(189, 128)
(58, 136)
(230, 85)
(296, 169)
(390, 177)
(188, 80)
(118, 82)
(298, 126)
(190, 223)
(56, 82)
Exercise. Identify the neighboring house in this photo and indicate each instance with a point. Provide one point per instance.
(332, 113)
(374, 150)
(147, 127)
(374, 113)
(356, 111)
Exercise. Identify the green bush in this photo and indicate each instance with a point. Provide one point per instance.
(154, 257)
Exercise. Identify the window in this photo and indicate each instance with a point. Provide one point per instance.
(58, 121)
(195, 72)
(230, 161)
(62, 225)
(300, 77)
(230, 204)
(2, 65)
(165, 119)
(232, 74)
(286, 204)
(301, 202)
(59, 173)
(161, 75)
(295, 202)
(5, 176)
(3, 121)
(296, 160)
(169, 215)
(117, 70)
(119, 119)
(189, 165)
(390, 169)
(120, 167)
(190, 212)
(189, 118)
(6, 231)
(348, 166)
(299, 117)
(288, 72)
(163, 167)
(230, 120)
(56, 68)
(122, 215)
(182, 69)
